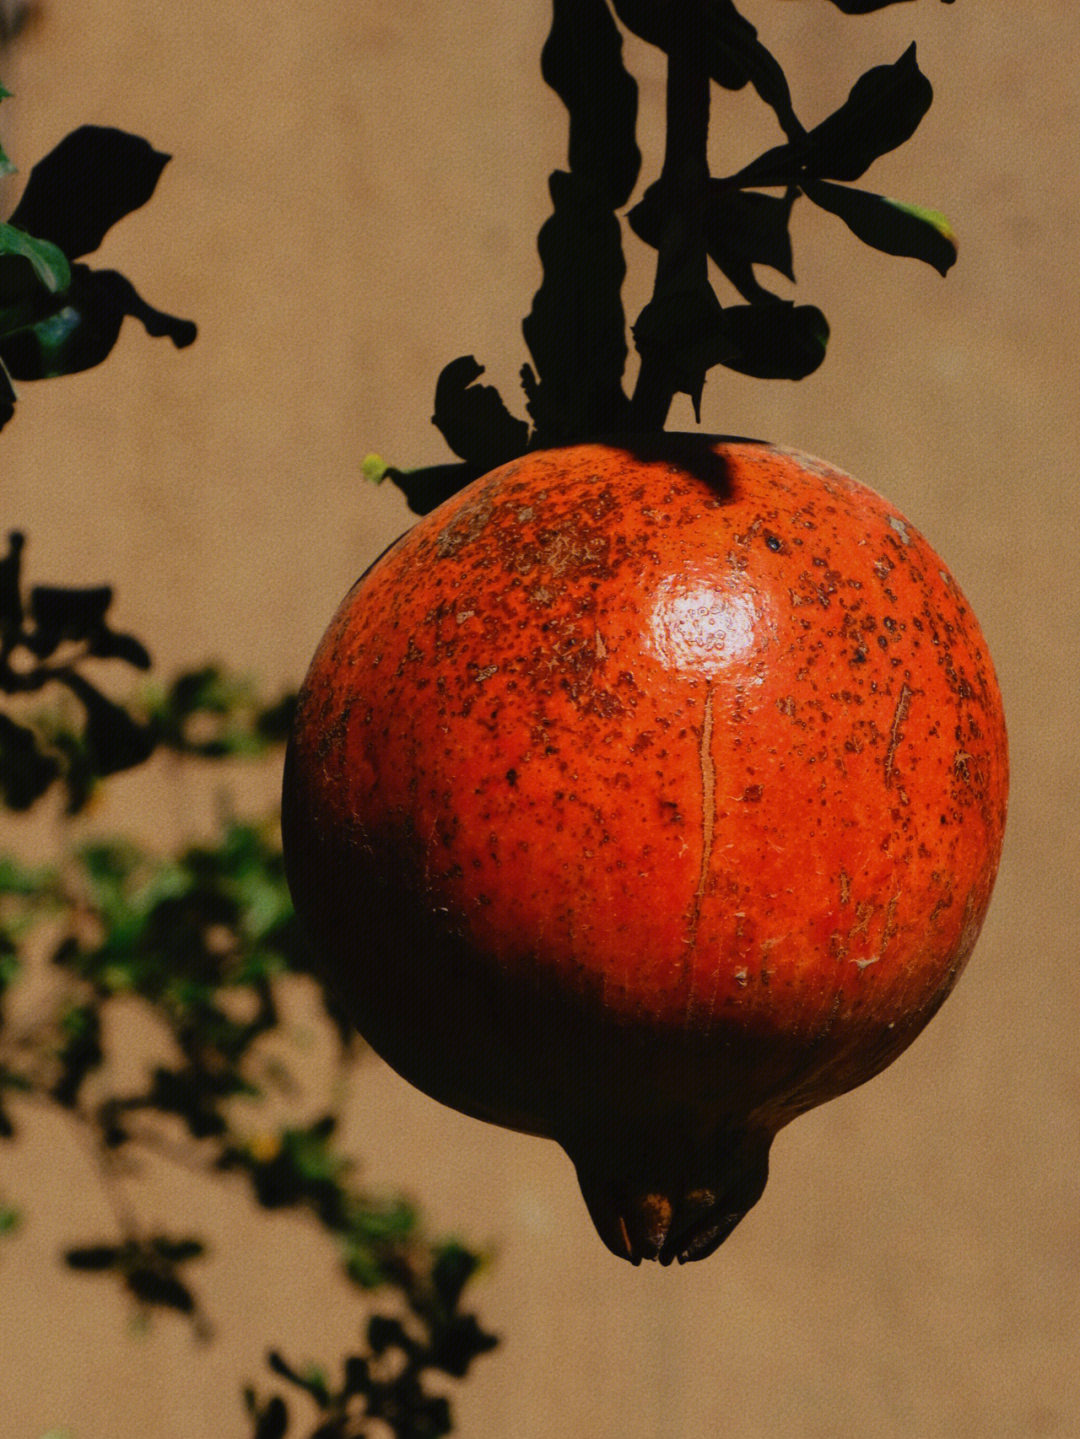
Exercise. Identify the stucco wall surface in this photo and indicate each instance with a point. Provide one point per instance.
(353, 201)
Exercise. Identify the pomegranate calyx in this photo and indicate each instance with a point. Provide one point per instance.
(676, 1208)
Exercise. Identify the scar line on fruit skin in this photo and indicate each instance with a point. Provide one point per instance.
(903, 704)
(708, 810)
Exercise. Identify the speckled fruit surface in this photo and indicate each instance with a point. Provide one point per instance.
(643, 796)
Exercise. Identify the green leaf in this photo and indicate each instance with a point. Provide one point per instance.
(48, 266)
(7, 392)
(6, 167)
(889, 225)
(16, 879)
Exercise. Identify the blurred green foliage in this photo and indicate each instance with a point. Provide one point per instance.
(201, 941)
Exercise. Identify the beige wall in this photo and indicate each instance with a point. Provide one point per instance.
(353, 201)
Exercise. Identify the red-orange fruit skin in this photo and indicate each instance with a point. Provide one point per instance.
(645, 795)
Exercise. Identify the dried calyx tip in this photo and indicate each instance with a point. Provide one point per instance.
(672, 1218)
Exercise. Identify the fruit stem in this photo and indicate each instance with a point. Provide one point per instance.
(682, 258)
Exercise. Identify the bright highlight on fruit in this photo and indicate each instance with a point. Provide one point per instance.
(643, 796)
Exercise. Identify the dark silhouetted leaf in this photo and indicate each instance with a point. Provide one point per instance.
(66, 614)
(189, 1094)
(94, 177)
(676, 333)
(734, 54)
(737, 41)
(357, 1375)
(882, 111)
(743, 228)
(94, 1258)
(453, 1268)
(780, 341)
(271, 1422)
(889, 225)
(425, 489)
(113, 739)
(108, 645)
(385, 1333)
(177, 1251)
(11, 604)
(81, 1052)
(576, 330)
(658, 25)
(458, 1343)
(151, 1286)
(434, 1420)
(582, 62)
(473, 419)
(865, 7)
(83, 330)
(312, 1380)
(25, 772)
(273, 723)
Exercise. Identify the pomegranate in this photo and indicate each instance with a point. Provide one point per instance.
(645, 795)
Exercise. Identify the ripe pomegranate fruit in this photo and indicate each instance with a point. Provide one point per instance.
(645, 795)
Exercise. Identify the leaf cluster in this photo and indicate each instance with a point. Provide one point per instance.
(739, 224)
(387, 1381)
(201, 942)
(55, 637)
(57, 314)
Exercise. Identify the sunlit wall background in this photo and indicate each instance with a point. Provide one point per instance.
(353, 201)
